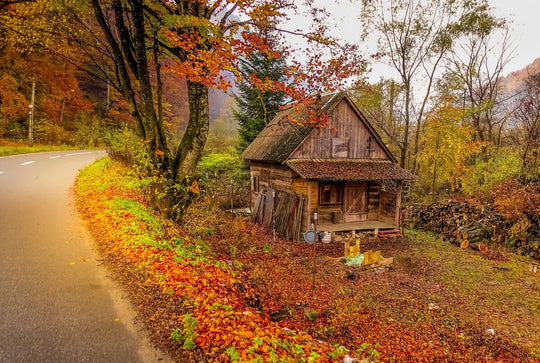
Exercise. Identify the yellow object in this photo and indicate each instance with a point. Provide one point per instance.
(352, 251)
(355, 250)
(371, 257)
(368, 256)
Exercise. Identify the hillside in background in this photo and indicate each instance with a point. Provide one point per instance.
(514, 80)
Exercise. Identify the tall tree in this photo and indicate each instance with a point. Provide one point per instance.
(475, 66)
(131, 43)
(526, 127)
(447, 145)
(255, 106)
(416, 38)
(413, 37)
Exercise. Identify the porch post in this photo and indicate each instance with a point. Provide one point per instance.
(398, 202)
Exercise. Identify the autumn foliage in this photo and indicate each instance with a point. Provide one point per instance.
(234, 293)
(224, 321)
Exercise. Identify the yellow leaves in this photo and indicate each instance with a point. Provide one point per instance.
(447, 146)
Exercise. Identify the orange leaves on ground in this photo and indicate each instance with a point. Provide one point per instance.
(228, 324)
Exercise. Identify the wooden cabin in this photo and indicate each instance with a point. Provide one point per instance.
(343, 172)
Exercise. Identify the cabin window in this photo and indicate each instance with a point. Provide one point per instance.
(255, 183)
(330, 193)
(340, 147)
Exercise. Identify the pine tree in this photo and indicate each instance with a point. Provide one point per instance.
(255, 108)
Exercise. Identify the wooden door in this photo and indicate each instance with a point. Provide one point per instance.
(355, 203)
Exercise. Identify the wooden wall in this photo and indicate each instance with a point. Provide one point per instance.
(387, 207)
(272, 176)
(310, 189)
(324, 143)
(381, 205)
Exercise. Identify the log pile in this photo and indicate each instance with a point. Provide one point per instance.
(468, 225)
(460, 223)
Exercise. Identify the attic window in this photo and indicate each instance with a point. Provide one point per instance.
(340, 147)
(330, 193)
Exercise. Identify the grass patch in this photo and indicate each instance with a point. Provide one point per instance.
(14, 150)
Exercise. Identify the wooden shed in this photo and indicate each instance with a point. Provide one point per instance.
(344, 172)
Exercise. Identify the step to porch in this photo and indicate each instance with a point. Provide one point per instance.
(388, 233)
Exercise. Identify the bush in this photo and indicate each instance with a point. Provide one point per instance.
(495, 168)
(13, 129)
(224, 179)
(520, 205)
(123, 145)
(91, 133)
(49, 133)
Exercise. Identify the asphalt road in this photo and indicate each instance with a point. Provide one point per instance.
(56, 302)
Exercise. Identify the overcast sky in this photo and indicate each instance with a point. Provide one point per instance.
(525, 15)
(526, 32)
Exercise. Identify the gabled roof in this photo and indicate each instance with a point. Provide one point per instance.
(281, 137)
(348, 169)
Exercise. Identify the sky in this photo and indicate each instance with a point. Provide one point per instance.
(526, 29)
(523, 13)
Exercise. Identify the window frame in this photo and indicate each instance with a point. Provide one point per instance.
(332, 185)
(255, 187)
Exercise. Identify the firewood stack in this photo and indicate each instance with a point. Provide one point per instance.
(467, 225)
(460, 223)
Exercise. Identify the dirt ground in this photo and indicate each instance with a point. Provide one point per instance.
(434, 302)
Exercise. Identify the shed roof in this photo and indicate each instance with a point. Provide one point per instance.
(281, 137)
(348, 169)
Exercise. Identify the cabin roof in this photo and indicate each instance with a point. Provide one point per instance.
(348, 169)
(278, 140)
(282, 136)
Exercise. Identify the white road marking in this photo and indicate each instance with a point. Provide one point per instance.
(54, 157)
(86, 152)
(102, 151)
(28, 162)
(1, 172)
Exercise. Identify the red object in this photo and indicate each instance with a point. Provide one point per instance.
(389, 233)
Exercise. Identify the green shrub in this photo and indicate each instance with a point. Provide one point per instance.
(123, 145)
(50, 133)
(498, 166)
(224, 178)
(91, 133)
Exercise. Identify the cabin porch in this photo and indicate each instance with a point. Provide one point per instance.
(359, 226)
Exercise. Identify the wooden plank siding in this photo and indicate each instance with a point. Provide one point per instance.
(310, 190)
(318, 145)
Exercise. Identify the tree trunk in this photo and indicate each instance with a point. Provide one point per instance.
(190, 148)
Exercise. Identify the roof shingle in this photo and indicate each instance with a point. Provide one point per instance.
(348, 169)
(279, 139)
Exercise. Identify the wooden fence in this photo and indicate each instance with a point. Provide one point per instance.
(280, 211)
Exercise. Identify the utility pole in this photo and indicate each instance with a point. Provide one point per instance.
(31, 118)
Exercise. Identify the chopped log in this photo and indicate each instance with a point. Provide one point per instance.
(465, 244)
(479, 246)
